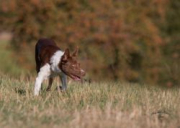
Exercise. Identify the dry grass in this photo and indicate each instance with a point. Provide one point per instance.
(98, 105)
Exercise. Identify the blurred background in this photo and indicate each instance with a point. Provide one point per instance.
(119, 40)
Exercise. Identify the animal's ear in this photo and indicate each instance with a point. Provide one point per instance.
(66, 54)
(75, 53)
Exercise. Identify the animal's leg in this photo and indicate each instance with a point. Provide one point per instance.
(63, 78)
(43, 73)
(50, 84)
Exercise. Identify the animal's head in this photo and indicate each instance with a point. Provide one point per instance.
(70, 66)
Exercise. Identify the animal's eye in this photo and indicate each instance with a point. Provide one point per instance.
(64, 61)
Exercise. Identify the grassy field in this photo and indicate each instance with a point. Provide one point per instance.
(95, 105)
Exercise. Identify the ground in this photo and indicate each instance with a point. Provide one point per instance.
(102, 105)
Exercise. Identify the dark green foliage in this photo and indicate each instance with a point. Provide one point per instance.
(171, 51)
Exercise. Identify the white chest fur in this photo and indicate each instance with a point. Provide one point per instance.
(54, 62)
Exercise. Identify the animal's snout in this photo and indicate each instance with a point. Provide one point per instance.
(83, 72)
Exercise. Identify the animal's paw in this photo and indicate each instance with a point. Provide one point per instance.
(48, 89)
(60, 88)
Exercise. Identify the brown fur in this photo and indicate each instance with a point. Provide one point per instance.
(44, 50)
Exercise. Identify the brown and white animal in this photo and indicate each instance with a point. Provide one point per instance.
(51, 62)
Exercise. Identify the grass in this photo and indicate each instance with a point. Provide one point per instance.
(102, 105)
(8, 64)
(96, 105)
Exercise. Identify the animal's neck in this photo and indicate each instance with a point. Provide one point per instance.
(55, 60)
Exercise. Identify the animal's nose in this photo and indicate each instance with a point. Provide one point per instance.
(83, 72)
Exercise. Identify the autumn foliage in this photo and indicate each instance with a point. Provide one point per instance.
(118, 39)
